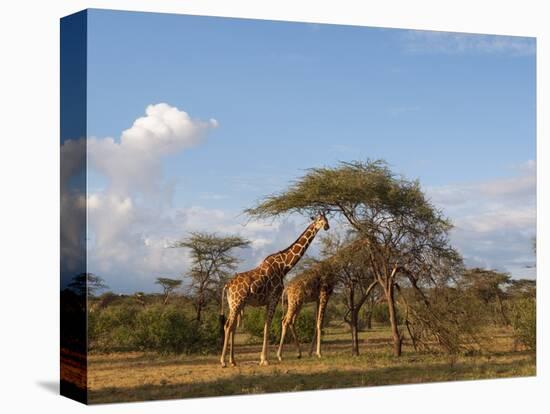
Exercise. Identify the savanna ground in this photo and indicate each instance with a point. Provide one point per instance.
(138, 376)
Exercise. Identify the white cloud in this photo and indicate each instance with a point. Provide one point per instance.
(131, 221)
(495, 220)
(424, 42)
(133, 164)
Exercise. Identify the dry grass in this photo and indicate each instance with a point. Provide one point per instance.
(145, 376)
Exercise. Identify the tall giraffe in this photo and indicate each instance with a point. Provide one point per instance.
(263, 286)
(313, 285)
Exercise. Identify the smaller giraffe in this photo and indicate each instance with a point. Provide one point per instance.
(316, 284)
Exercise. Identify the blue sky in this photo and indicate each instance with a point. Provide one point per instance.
(456, 111)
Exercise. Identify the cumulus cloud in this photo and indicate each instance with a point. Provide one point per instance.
(495, 221)
(133, 164)
(425, 41)
(131, 221)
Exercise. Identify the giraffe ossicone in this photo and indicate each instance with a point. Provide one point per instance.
(263, 286)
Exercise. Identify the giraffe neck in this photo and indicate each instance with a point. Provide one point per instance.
(296, 250)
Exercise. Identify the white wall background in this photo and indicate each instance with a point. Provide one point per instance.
(29, 223)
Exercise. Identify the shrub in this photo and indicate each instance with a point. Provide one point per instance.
(380, 314)
(163, 329)
(111, 329)
(524, 322)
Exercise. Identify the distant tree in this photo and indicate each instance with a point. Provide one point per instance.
(104, 300)
(522, 288)
(168, 285)
(348, 261)
(212, 263)
(490, 287)
(140, 298)
(87, 284)
(404, 234)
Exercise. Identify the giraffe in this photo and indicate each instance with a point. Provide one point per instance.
(262, 286)
(313, 285)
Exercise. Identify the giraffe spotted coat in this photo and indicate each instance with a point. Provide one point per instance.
(312, 285)
(263, 286)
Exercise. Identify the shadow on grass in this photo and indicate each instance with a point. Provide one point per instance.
(279, 382)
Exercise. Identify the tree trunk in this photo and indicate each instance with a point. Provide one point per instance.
(354, 333)
(368, 319)
(199, 312)
(352, 322)
(397, 340)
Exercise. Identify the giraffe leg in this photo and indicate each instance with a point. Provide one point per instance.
(316, 333)
(268, 317)
(313, 341)
(229, 327)
(319, 327)
(232, 349)
(295, 335)
(288, 322)
(284, 325)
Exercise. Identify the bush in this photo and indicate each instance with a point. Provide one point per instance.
(254, 319)
(380, 314)
(524, 322)
(111, 329)
(163, 329)
(451, 317)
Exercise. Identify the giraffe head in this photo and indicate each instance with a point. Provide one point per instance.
(321, 222)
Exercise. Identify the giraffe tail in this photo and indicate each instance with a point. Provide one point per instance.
(222, 315)
(283, 301)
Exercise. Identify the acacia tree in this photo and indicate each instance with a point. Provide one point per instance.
(168, 286)
(87, 284)
(490, 287)
(348, 262)
(404, 234)
(213, 262)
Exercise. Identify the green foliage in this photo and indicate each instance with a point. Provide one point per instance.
(163, 329)
(254, 319)
(381, 314)
(212, 263)
(451, 317)
(111, 329)
(524, 322)
(488, 285)
(350, 183)
(168, 283)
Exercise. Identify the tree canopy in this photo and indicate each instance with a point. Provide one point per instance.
(87, 284)
(168, 285)
(212, 263)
